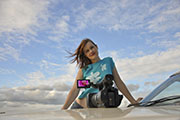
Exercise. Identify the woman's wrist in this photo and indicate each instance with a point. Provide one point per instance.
(63, 107)
(134, 102)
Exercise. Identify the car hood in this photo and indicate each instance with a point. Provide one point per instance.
(132, 113)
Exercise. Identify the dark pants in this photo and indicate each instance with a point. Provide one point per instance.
(76, 106)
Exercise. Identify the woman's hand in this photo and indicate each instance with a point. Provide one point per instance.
(62, 108)
(139, 99)
(136, 103)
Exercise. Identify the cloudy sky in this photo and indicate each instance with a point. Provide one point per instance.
(142, 37)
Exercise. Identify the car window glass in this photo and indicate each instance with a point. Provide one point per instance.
(171, 90)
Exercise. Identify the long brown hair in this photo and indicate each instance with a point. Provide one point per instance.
(79, 56)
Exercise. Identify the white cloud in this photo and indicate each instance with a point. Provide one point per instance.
(20, 15)
(167, 18)
(177, 35)
(152, 83)
(33, 88)
(37, 93)
(133, 87)
(9, 51)
(165, 43)
(62, 86)
(18, 95)
(157, 63)
(20, 21)
(6, 71)
(35, 77)
(23, 17)
(124, 15)
(46, 65)
(47, 74)
(62, 24)
(61, 29)
(39, 89)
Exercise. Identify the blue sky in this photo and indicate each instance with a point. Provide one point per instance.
(142, 36)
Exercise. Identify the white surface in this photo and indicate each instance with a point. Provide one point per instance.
(137, 113)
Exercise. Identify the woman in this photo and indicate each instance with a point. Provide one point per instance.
(93, 68)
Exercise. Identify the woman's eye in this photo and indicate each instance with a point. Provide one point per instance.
(92, 47)
(87, 51)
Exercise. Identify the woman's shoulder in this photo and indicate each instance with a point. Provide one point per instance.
(107, 58)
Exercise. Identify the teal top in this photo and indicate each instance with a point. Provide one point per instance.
(96, 72)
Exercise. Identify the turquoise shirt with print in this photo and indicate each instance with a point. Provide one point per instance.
(96, 72)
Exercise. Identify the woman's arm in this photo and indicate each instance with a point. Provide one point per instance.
(122, 87)
(73, 93)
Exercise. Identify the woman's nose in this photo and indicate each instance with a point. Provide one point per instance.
(90, 50)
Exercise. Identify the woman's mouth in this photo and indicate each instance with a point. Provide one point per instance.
(92, 54)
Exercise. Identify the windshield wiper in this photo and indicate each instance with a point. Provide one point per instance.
(150, 103)
(2, 112)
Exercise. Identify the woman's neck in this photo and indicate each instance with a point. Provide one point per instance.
(95, 60)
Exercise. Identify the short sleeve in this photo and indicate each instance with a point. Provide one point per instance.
(111, 63)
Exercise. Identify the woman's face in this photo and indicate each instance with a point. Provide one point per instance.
(91, 51)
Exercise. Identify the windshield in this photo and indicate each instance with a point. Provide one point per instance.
(167, 92)
(171, 90)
